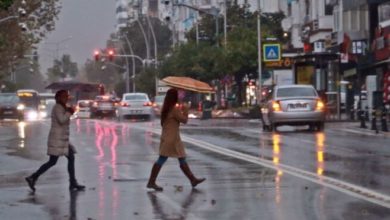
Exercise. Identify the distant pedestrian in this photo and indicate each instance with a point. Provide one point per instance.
(58, 142)
(172, 114)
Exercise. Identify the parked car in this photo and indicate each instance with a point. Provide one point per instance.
(158, 103)
(104, 106)
(11, 107)
(135, 105)
(83, 108)
(293, 105)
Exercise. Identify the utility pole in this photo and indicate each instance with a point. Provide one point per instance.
(259, 49)
(225, 24)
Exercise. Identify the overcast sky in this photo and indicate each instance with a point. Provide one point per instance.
(83, 25)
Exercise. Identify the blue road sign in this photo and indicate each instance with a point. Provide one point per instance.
(271, 52)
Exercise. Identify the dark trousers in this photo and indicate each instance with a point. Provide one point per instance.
(52, 161)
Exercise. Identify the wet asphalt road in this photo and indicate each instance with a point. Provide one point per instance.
(341, 173)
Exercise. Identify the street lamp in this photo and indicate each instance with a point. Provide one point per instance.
(155, 52)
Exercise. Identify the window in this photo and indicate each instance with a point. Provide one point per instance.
(135, 97)
(296, 92)
(384, 12)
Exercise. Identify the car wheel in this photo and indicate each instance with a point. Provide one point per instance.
(312, 127)
(273, 127)
(320, 126)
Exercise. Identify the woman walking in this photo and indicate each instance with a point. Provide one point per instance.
(172, 114)
(58, 142)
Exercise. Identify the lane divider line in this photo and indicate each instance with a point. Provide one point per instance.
(338, 185)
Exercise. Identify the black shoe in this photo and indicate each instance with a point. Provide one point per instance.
(31, 183)
(76, 187)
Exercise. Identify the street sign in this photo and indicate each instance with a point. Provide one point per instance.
(271, 52)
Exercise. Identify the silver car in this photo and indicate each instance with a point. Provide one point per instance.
(135, 105)
(293, 105)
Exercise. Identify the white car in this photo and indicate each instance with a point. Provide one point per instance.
(83, 109)
(135, 105)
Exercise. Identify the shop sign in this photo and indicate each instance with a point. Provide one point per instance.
(283, 63)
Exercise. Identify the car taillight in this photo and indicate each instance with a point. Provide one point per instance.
(124, 104)
(147, 104)
(320, 105)
(276, 106)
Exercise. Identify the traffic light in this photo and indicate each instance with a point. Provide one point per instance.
(96, 55)
(111, 55)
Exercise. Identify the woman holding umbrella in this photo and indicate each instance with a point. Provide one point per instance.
(172, 114)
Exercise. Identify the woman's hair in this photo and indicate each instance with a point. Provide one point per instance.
(170, 101)
(59, 94)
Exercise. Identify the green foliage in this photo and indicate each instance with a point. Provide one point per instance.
(5, 4)
(145, 82)
(103, 73)
(15, 43)
(62, 68)
(211, 59)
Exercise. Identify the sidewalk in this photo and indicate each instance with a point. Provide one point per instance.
(354, 127)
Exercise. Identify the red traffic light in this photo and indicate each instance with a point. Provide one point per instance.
(111, 55)
(96, 55)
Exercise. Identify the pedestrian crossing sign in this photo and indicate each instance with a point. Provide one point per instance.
(271, 52)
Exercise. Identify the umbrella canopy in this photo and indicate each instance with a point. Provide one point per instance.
(72, 85)
(188, 83)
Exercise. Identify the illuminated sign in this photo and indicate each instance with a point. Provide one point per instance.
(25, 94)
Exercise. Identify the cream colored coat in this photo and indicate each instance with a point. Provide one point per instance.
(58, 141)
(171, 144)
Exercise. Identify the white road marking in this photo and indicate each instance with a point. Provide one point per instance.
(341, 186)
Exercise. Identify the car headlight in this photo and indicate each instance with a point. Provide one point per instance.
(20, 107)
(32, 115)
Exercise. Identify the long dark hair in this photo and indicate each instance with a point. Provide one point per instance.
(170, 101)
(58, 94)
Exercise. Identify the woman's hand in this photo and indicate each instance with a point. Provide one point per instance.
(70, 110)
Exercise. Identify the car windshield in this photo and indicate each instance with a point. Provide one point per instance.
(104, 98)
(9, 99)
(135, 98)
(159, 99)
(295, 92)
(84, 104)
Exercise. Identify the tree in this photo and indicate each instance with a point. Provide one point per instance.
(103, 73)
(5, 4)
(207, 61)
(62, 68)
(14, 42)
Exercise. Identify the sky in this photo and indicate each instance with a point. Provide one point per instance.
(82, 26)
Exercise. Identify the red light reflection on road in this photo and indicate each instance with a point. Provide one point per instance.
(106, 137)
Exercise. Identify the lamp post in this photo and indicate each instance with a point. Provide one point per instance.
(155, 51)
(133, 58)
